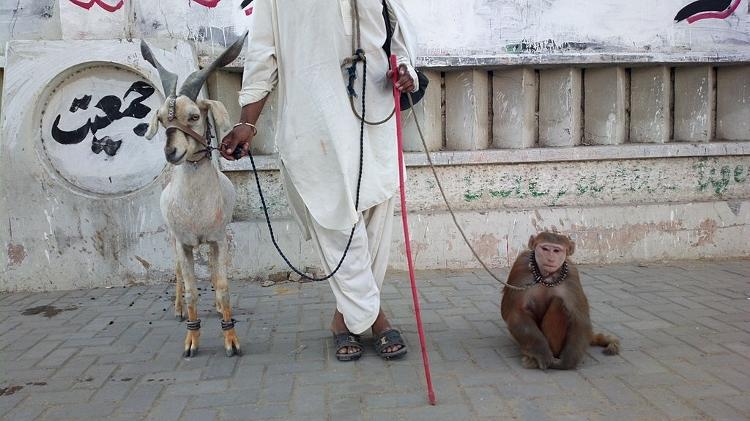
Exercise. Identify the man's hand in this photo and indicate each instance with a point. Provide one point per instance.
(238, 139)
(405, 83)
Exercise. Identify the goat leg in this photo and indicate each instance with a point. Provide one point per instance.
(179, 300)
(213, 269)
(192, 339)
(231, 342)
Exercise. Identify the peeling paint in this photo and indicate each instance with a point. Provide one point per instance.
(706, 232)
(16, 254)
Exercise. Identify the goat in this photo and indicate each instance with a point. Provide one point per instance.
(197, 203)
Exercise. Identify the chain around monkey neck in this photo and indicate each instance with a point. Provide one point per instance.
(537, 274)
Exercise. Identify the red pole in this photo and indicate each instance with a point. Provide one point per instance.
(407, 238)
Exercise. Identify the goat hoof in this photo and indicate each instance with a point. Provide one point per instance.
(179, 317)
(232, 351)
(189, 353)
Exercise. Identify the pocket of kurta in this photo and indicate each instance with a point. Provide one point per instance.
(346, 15)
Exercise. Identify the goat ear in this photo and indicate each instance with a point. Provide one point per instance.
(153, 127)
(219, 111)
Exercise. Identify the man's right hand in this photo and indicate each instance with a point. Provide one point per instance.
(237, 139)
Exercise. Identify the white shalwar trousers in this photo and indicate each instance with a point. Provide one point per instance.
(358, 282)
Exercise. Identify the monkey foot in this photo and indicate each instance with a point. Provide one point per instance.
(612, 349)
(531, 362)
(231, 343)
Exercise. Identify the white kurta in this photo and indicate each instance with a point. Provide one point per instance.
(298, 47)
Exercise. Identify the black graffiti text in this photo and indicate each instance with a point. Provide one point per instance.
(110, 105)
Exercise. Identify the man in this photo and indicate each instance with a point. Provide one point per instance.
(303, 49)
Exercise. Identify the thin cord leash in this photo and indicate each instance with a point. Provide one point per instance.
(450, 209)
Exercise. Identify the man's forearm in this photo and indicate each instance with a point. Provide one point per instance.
(251, 112)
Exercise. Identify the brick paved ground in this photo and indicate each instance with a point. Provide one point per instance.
(115, 354)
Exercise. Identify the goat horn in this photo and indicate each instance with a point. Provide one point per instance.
(195, 81)
(168, 79)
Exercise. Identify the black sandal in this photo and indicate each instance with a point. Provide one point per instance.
(344, 340)
(389, 338)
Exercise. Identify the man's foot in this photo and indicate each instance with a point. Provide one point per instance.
(348, 347)
(388, 341)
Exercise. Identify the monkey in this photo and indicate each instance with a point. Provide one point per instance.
(550, 321)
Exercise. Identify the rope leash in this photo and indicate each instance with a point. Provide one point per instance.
(450, 209)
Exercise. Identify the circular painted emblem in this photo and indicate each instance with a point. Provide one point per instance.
(93, 126)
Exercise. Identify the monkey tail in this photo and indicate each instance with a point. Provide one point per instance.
(610, 344)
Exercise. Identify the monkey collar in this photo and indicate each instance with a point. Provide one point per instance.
(540, 279)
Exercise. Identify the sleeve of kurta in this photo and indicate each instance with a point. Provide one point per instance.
(261, 68)
(398, 47)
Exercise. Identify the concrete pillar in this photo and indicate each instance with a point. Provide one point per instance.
(733, 103)
(650, 105)
(514, 105)
(429, 111)
(607, 99)
(560, 117)
(467, 110)
(694, 103)
(224, 86)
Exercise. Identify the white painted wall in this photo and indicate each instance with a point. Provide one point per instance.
(445, 27)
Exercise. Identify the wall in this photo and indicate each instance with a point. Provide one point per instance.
(445, 28)
(618, 126)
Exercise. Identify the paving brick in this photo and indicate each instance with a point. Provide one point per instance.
(167, 409)
(718, 410)
(197, 388)
(78, 411)
(704, 390)
(667, 402)
(256, 412)
(141, 399)
(203, 414)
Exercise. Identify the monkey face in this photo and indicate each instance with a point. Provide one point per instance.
(550, 257)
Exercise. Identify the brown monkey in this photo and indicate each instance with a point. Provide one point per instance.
(550, 320)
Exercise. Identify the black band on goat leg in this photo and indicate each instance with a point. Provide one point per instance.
(194, 324)
(227, 325)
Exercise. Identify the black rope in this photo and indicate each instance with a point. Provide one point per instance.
(194, 324)
(356, 203)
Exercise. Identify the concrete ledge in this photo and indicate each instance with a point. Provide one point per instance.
(517, 156)
(439, 62)
(580, 58)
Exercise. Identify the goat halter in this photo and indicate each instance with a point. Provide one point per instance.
(173, 123)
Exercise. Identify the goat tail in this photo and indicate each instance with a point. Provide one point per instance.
(610, 344)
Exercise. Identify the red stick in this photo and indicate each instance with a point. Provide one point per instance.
(407, 241)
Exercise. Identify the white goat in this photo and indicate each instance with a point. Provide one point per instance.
(198, 202)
